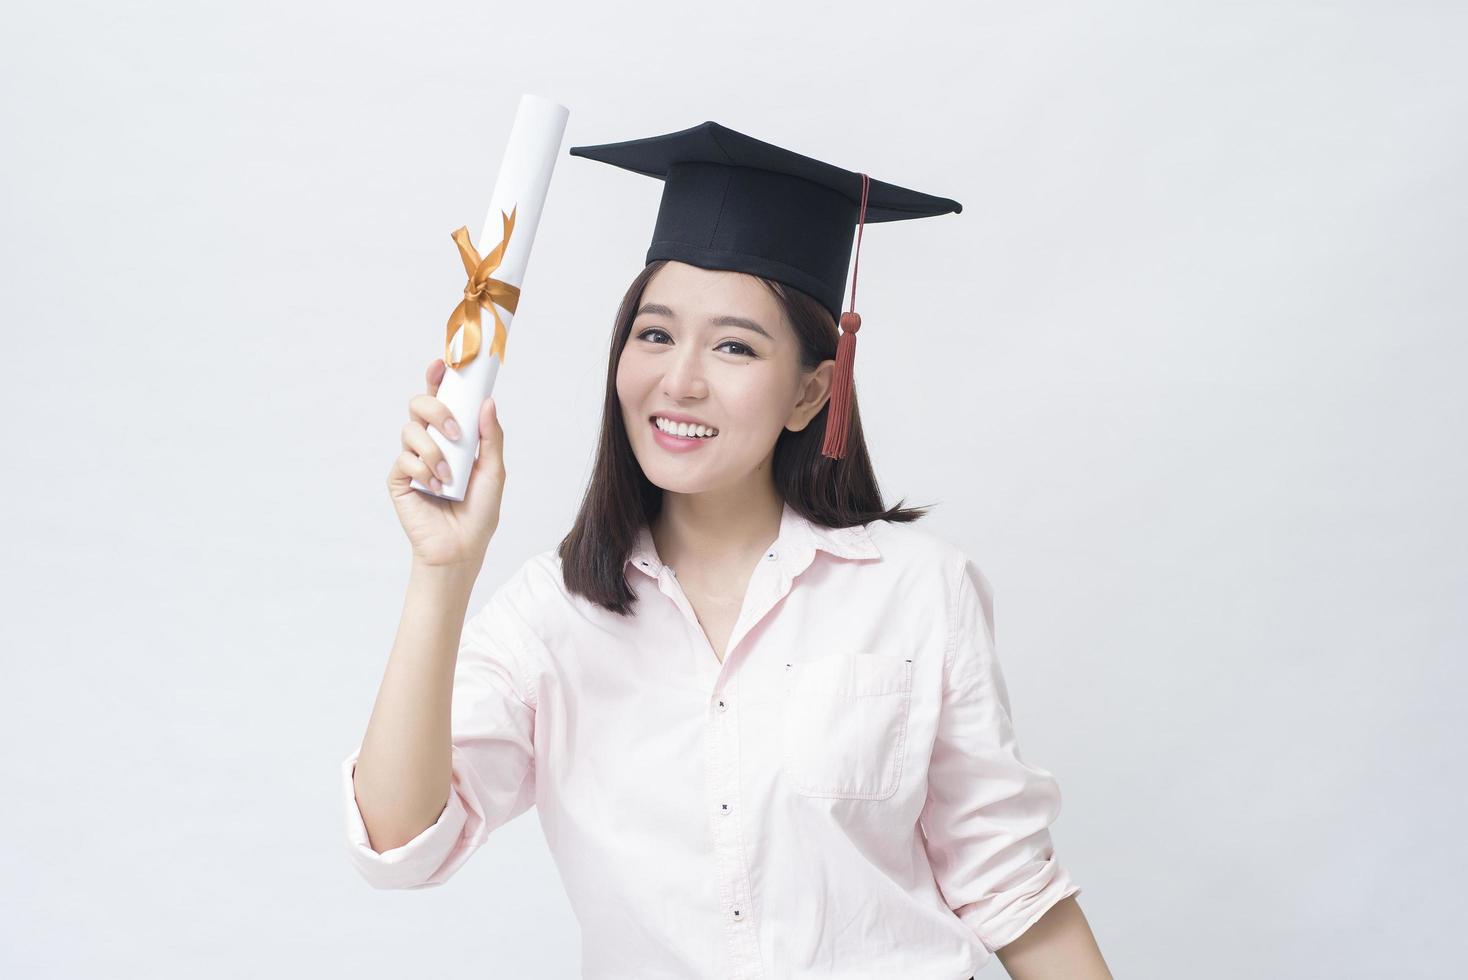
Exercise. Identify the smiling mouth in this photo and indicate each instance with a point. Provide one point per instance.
(652, 420)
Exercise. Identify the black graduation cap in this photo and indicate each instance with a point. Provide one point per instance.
(733, 202)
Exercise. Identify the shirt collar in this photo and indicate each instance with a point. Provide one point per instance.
(795, 545)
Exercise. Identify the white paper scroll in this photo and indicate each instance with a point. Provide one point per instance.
(524, 177)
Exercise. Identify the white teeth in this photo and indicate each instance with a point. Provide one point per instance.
(684, 429)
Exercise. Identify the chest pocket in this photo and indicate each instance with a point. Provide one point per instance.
(844, 725)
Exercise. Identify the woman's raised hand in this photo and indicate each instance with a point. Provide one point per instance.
(447, 532)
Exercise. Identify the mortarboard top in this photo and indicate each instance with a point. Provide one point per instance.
(733, 202)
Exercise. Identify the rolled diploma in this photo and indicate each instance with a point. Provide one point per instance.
(524, 177)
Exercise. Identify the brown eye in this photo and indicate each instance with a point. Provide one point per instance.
(743, 351)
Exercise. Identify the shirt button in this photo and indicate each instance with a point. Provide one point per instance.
(737, 916)
(722, 705)
(770, 556)
(724, 808)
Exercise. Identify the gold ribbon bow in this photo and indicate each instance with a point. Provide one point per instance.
(481, 290)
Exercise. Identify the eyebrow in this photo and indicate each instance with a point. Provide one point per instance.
(717, 321)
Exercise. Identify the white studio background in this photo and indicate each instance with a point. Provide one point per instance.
(1184, 378)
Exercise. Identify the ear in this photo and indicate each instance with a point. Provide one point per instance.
(814, 392)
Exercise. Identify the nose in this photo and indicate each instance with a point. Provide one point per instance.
(685, 376)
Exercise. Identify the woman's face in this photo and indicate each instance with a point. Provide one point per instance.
(712, 346)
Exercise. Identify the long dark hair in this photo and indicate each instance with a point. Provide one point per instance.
(620, 498)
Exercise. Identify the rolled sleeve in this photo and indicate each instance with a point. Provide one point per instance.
(988, 814)
(492, 760)
(426, 860)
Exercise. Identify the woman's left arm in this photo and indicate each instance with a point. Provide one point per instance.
(1059, 946)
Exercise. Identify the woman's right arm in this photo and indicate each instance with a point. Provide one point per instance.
(402, 775)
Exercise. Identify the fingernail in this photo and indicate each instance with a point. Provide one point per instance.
(437, 487)
(442, 469)
(451, 428)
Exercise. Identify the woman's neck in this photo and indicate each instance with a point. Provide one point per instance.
(717, 530)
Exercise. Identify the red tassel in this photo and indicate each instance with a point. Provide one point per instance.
(838, 411)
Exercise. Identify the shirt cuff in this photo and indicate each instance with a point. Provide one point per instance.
(410, 865)
(1030, 901)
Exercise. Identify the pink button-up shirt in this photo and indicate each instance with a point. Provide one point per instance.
(841, 797)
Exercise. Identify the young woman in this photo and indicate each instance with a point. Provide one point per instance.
(759, 714)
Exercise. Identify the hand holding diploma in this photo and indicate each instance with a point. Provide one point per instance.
(447, 533)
